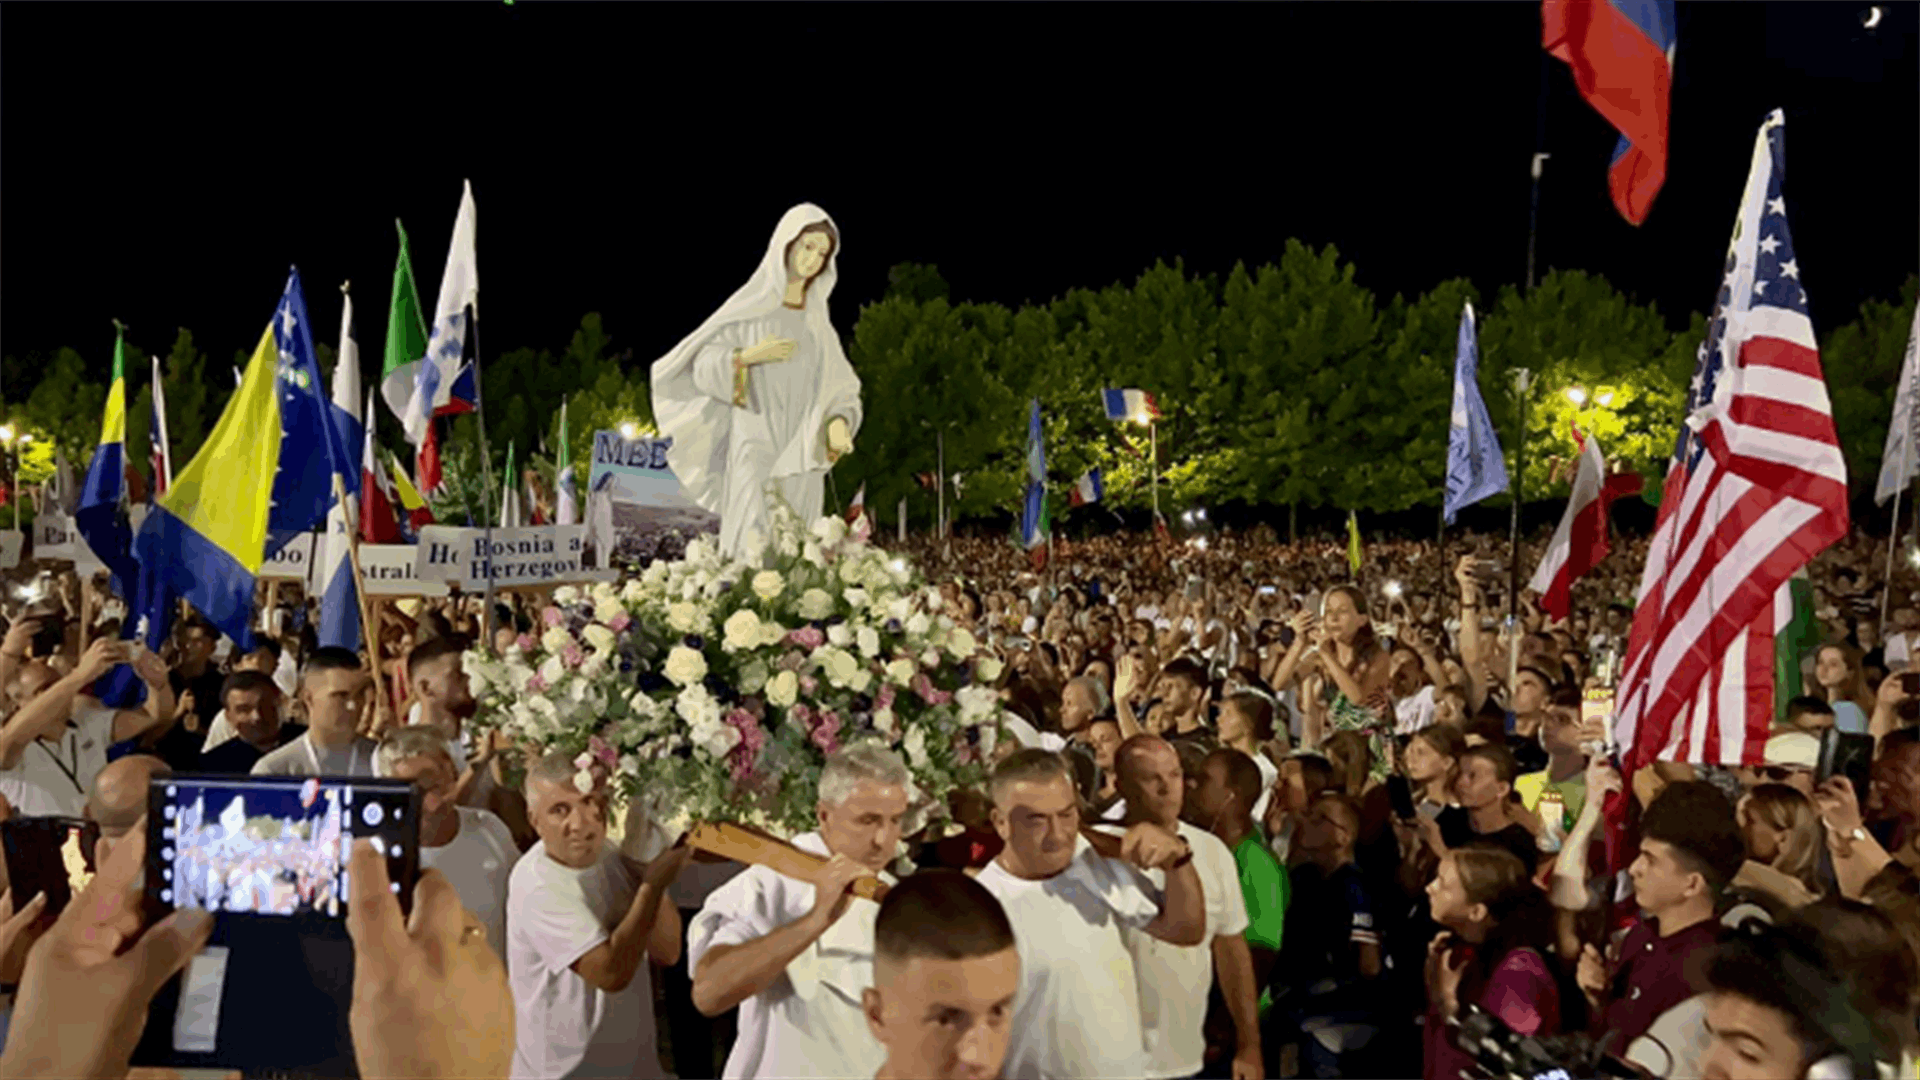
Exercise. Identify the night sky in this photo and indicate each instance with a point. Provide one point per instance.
(163, 164)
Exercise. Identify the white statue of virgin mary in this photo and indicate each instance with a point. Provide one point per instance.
(761, 401)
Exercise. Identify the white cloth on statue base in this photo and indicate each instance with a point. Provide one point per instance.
(809, 1024)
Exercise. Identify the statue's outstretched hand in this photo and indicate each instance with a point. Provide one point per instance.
(767, 351)
(839, 439)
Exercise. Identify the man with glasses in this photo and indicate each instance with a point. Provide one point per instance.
(1791, 757)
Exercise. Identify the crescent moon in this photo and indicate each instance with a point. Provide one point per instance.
(1873, 17)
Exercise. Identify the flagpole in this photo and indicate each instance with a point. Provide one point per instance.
(486, 467)
(383, 701)
(1522, 380)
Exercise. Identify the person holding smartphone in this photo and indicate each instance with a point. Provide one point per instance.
(55, 743)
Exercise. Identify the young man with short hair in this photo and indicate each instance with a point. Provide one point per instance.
(1484, 814)
(1810, 714)
(1302, 778)
(335, 690)
(1558, 792)
(581, 919)
(1079, 1011)
(795, 956)
(1691, 848)
(945, 972)
(1532, 694)
(1330, 956)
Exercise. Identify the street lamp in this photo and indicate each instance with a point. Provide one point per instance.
(628, 430)
(1576, 395)
(1145, 420)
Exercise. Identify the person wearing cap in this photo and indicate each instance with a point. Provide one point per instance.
(1792, 756)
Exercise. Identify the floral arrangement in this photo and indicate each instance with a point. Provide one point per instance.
(715, 690)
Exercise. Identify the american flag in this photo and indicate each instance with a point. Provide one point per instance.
(1756, 489)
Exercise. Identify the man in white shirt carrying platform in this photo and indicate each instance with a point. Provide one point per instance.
(1078, 1016)
(1175, 982)
(471, 847)
(335, 688)
(580, 920)
(797, 956)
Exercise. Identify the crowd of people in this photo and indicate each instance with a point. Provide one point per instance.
(1257, 815)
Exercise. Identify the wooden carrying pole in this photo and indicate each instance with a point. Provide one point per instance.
(369, 630)
(743, 843)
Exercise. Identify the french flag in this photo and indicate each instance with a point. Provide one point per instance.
(1621, 53)
(1087, 489)
(1129, 405)
(1581, 540)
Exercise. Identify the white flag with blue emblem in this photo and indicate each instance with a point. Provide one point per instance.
(447, 338)
(1476, 467)
(339, 602)
(1902, 459)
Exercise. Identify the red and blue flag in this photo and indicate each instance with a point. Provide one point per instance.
(1621, 53)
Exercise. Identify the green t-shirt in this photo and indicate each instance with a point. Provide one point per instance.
(1264, 882)
(1572, 792)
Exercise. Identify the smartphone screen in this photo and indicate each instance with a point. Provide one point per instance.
(1400, 794)
(52, 855)
(1910, 683)
(274, 846)
(268, 857)
(1597, 704)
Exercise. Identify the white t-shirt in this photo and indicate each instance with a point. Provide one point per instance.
(1269, 773)
(1077, 1015)
(564, 1026)
(1175, 979)
(809, 1023)
(220, 731)
(301, 758)
(478, 861)
(53, 777)
(1414, 713)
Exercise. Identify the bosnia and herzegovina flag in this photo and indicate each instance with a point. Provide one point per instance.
(101, 516)
(264, 477)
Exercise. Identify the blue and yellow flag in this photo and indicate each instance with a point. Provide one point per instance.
(264, 477)
(101, 515)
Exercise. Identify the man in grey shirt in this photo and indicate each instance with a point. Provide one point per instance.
(336, 690)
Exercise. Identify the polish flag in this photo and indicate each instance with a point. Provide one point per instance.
(1581, 540)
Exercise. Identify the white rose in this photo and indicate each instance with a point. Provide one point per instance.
(962, 645)
(900, 672)
(686, 666)
(634, 591)
(916, 747)
(830, 530)
(690, 588)
(684, 618)
(556, 639)
(856, 598)
(934, 600)
(608, 608)
(654, 577)
(930, 659)
(599, 638)
(742, 630)
(629, 764)
(566, 594)
(886, 723)
(869, 640)
(643, 705)
(989, 738)
(860, 681)
(553, 670)
(771, 633)
(988, 669)
(839, 665)
(977, 702)
(696, 706)
(815, 604)
(753, 677)
(919, 624)
(899, 608)
(768, 584)
(583, 782)
(715, 738)
(594, 666)
(840, 634)
(812, 553)
(789, 545)
(783, 689)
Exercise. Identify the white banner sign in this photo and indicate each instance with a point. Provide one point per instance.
(393, 570)
(11, 541)
(545, 555)
(293, 562)
(54, 536)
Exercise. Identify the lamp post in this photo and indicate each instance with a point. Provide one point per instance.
(1145, 419)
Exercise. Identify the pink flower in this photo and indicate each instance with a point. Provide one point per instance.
(552, 616)
(753, 739)
(526, 642)
(603, 753)
(619, 622)
(572, 655)
(826, 734)
(924, 687)
(807, 637)
(884, 699)
(793, 661)
(808, 684)
(801, 714)
(536, 684)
